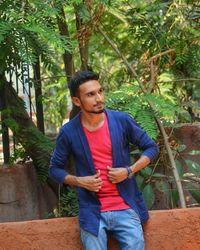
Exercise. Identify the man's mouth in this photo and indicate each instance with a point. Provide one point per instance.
(99, 104)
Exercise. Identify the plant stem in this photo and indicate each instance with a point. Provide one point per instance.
(173, 164)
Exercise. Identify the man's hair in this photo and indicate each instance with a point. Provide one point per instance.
(80, 78)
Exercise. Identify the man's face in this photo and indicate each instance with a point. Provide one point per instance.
(91, 97)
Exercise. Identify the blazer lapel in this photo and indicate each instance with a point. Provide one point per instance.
(114, 135)
(85, 144)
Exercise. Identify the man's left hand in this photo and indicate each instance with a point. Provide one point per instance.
(116, 175)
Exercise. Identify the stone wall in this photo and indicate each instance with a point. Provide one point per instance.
(21, 196)
(177, 229)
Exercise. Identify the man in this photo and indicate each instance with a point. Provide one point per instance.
(99, 140)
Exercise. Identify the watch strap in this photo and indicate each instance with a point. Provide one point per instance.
(129, 170)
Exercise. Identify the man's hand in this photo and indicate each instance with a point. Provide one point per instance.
(116, 175)
(92, 183)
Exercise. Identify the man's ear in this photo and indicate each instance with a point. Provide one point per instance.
(76, 101)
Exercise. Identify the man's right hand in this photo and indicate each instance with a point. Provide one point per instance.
(92, 182)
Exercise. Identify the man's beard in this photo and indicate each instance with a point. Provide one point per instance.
(100, 111)
(96, 112)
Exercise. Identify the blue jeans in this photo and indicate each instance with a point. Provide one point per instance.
(125, 227)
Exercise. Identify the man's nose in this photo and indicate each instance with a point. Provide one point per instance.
(98, 97)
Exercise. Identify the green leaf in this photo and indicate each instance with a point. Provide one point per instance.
(194, 167)
(163, 186)
(84, 12)
(194, 191)
(174, 198)
(194, 152)
(128, 99)
(146, 171)
(179, 168)
(181, 148)
(149, 195)
(159, 175)
(140, 181)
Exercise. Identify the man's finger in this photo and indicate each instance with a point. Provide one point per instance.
(99, 181)
(112, 170)
(97, 173)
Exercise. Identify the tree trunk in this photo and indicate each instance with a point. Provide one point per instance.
(38, 96)
(83, 42)
(5, 134)
(37, 145)
(67, 56)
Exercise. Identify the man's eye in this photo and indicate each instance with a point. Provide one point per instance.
(101, 90)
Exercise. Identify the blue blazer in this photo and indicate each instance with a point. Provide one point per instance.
(72, 140)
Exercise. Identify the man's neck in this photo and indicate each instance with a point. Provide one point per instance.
(92, 121)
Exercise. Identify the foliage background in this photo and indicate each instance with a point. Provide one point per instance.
(159, 40)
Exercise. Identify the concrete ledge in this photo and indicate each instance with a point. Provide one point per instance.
(166, 230)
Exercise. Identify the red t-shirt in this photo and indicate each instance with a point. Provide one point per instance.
(101, 149)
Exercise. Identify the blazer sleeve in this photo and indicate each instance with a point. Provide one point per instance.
(59, 158)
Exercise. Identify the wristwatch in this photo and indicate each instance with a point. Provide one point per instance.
(130, 173)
